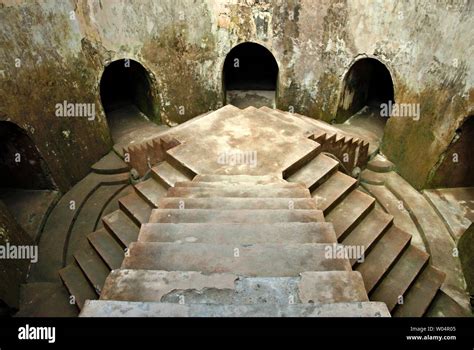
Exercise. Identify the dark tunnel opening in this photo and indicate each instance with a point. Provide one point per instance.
(126, 96)
(27, 187)
(250, 76)
(367, 83)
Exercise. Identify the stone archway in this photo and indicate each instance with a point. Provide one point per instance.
(367, 85)
(250, 76)
(126, 94)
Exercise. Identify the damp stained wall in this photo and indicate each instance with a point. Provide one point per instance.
(65, 45)
(42, 64)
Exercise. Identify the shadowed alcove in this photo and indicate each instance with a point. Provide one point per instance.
(367, 85)
(127, 97)
(457, 166)
(27, 188)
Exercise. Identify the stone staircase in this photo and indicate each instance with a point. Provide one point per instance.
(179, 233)
(104, 249)
(394, 271)
(234, 246)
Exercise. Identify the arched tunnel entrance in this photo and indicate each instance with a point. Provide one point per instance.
(127, 98)
(367, 85)
(26, 186)
(250, 76)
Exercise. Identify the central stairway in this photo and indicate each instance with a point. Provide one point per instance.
(235, 246)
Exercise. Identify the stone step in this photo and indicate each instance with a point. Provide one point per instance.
(372, 178)
(294, 232)
(445, 306)
(380, 164)
(235, 216)
(151, 191)
(435, 235)
(347, 214)
(400, 277)
(222, 288)
(236, 185)
(236, 203)
(167, 175)
(315, 172)
(395, 207)
(88, 217)
(256, 179)
(107, 247)
(94, 268)
(110, 308)
(136, 208)
(62, 219)
(122, 227)
(256, 191)
(77, 284)
(303, 160)
(179, 165)
(456, 207)
(382, 256)
(267, 260)
(111, 163)
(420, 295)
(369, 230)
(333, 190)
(114, 204)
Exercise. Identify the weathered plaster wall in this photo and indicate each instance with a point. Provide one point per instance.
(42, 63)
(426, 46)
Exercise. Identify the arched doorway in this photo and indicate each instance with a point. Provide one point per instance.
(26, 185)
(367, 85)
(457, 166)
(250, 76)
(126, 95)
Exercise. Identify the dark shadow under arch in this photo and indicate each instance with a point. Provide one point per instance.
(129, 100)
(250, 73)
(126, 82)
(367, 83)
